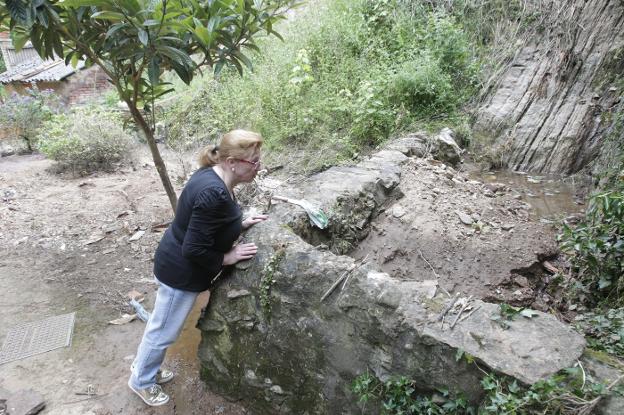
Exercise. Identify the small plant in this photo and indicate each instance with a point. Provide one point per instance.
(509, 313)
(301, 74)
(372, 119)
(268, 279)
(596, 245)
(85, 140)
(570, 391)
(604, 331)
(398, 396)
(23, 115)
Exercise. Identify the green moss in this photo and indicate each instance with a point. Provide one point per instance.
(268, 279)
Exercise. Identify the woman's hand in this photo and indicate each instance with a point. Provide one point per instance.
(240, 252)
(253, 219)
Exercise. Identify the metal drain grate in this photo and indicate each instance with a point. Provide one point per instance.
(29, 339)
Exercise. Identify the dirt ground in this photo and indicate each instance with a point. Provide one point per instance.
(81, 244)
(485, 235)
(66, 246)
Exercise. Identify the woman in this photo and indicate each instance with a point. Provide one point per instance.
(193, 251)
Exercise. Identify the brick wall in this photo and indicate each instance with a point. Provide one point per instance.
(77, 89)
(85, 85)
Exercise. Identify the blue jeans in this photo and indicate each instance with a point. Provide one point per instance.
(163, 328)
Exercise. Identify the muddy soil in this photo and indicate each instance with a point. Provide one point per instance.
(480, 235)
(67, 245)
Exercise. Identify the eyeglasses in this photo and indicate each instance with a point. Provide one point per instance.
(256, 164)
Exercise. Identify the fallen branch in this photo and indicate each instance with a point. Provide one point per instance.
(430, 266)
(344, 277)
(469, 314)
(591, 405)
(447, 308)
(461, 311)
(337, 282)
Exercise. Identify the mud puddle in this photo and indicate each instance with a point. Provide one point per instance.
(550, 197)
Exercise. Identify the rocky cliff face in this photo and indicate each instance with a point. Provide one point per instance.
(551, 108)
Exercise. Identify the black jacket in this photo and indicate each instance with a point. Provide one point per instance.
(206, 225)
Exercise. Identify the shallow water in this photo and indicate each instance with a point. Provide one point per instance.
(550, 197)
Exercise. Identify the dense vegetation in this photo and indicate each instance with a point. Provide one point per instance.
(349, 74)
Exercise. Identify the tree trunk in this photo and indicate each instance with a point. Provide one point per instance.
(158, 161)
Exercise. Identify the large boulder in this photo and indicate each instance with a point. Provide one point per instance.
(275, 336)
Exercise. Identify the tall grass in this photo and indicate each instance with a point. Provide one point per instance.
(348, 74)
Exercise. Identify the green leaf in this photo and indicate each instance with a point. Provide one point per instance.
(108, 15)
(240, 6)
(19, 40)
(218, 67)
(143, 37)
(87, 3)
(151, 22)
(213, 23)
(243, 59)
(203, 35)
(74, 60)
(153, 71)
(176, 55)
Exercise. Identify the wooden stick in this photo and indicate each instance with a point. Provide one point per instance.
(469, 314)
(337, 282)
(447, 308)
(343, 276)
(461, 311)
(360, 263)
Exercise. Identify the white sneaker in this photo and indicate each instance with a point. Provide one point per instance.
(152, 396)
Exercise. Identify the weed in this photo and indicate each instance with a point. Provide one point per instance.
(571, 390)
(596, 245)
(604, 330)
(349, 75)
(267, 281)
(508, 313)
(22, 116)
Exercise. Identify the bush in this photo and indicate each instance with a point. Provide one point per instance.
(349, 74)
(422, 87)
(596, 245)
(85, 140)
(21, 116)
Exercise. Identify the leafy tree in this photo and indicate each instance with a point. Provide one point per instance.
(135, 41)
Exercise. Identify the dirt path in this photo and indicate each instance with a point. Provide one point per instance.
(66, 246)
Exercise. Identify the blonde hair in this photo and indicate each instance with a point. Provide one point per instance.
(236, 144)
